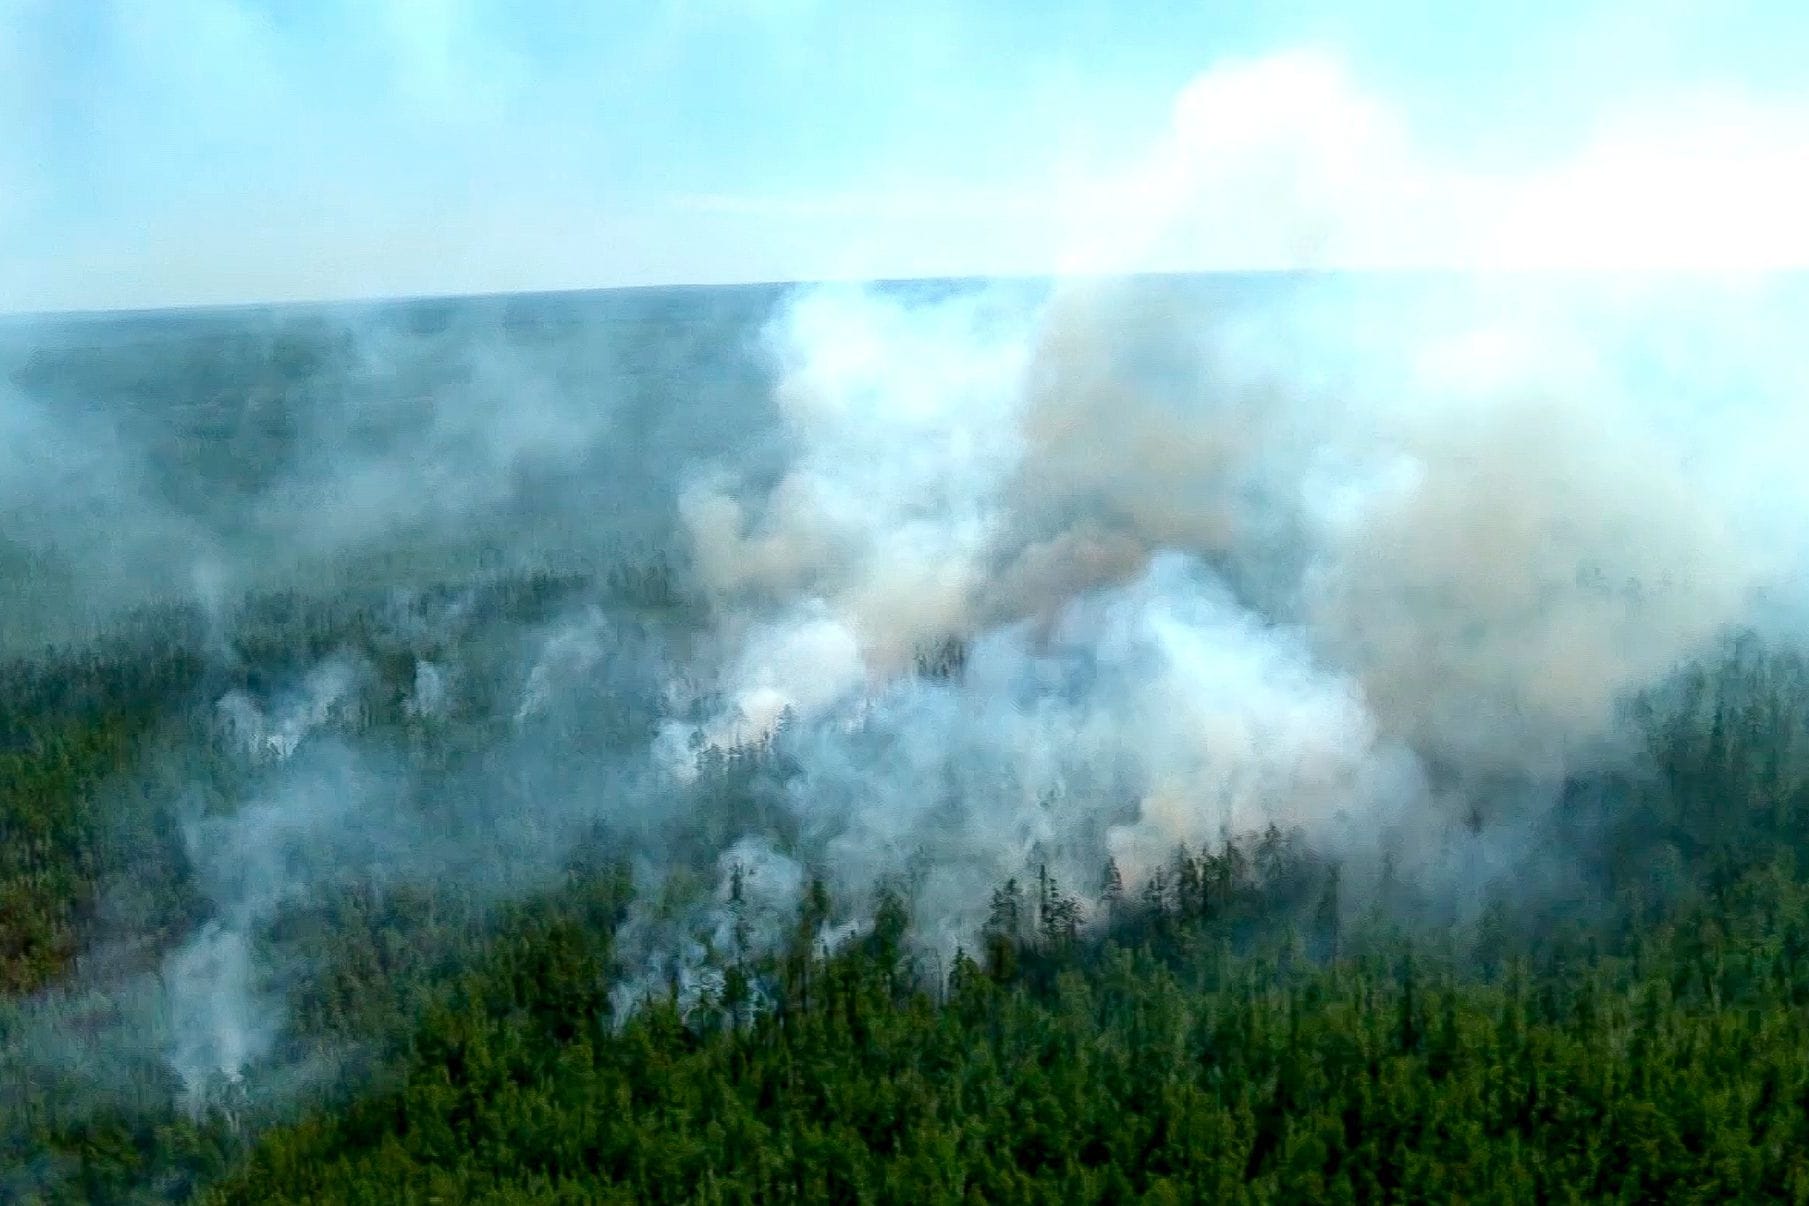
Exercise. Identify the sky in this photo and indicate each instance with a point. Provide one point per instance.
(180, 152)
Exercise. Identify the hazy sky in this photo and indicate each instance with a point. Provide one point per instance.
(159, 152)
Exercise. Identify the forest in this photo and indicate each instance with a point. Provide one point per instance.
(764, 601)
(1230, 1029)
(1158, 741)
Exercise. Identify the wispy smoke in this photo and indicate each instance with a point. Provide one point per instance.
(1011, 580)
(318, 816)
(201, 458)
(1356, 564)
(966, 583)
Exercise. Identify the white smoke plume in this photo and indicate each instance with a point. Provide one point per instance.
(326, 695)
(1198, 557)
(1292, 160)
(1340, 567)
(318, 815)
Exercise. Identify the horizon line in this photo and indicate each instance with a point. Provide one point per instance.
(198, 309)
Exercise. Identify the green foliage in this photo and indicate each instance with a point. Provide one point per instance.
(1677, 1072)
(1237, 1027)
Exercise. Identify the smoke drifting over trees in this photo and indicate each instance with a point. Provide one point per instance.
(878, 597)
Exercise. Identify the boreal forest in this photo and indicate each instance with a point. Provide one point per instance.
(949, 743)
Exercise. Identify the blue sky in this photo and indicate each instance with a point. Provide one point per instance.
(157, 152)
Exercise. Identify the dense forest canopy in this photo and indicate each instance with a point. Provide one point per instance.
(948, 742)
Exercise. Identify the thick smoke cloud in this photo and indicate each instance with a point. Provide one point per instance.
(1367, 564)
(1296, 160)
(995, 579)
(971, 581)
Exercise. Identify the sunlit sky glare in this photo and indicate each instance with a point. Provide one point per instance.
(168, 152)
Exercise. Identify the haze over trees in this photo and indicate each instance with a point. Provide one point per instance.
(960, 750)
